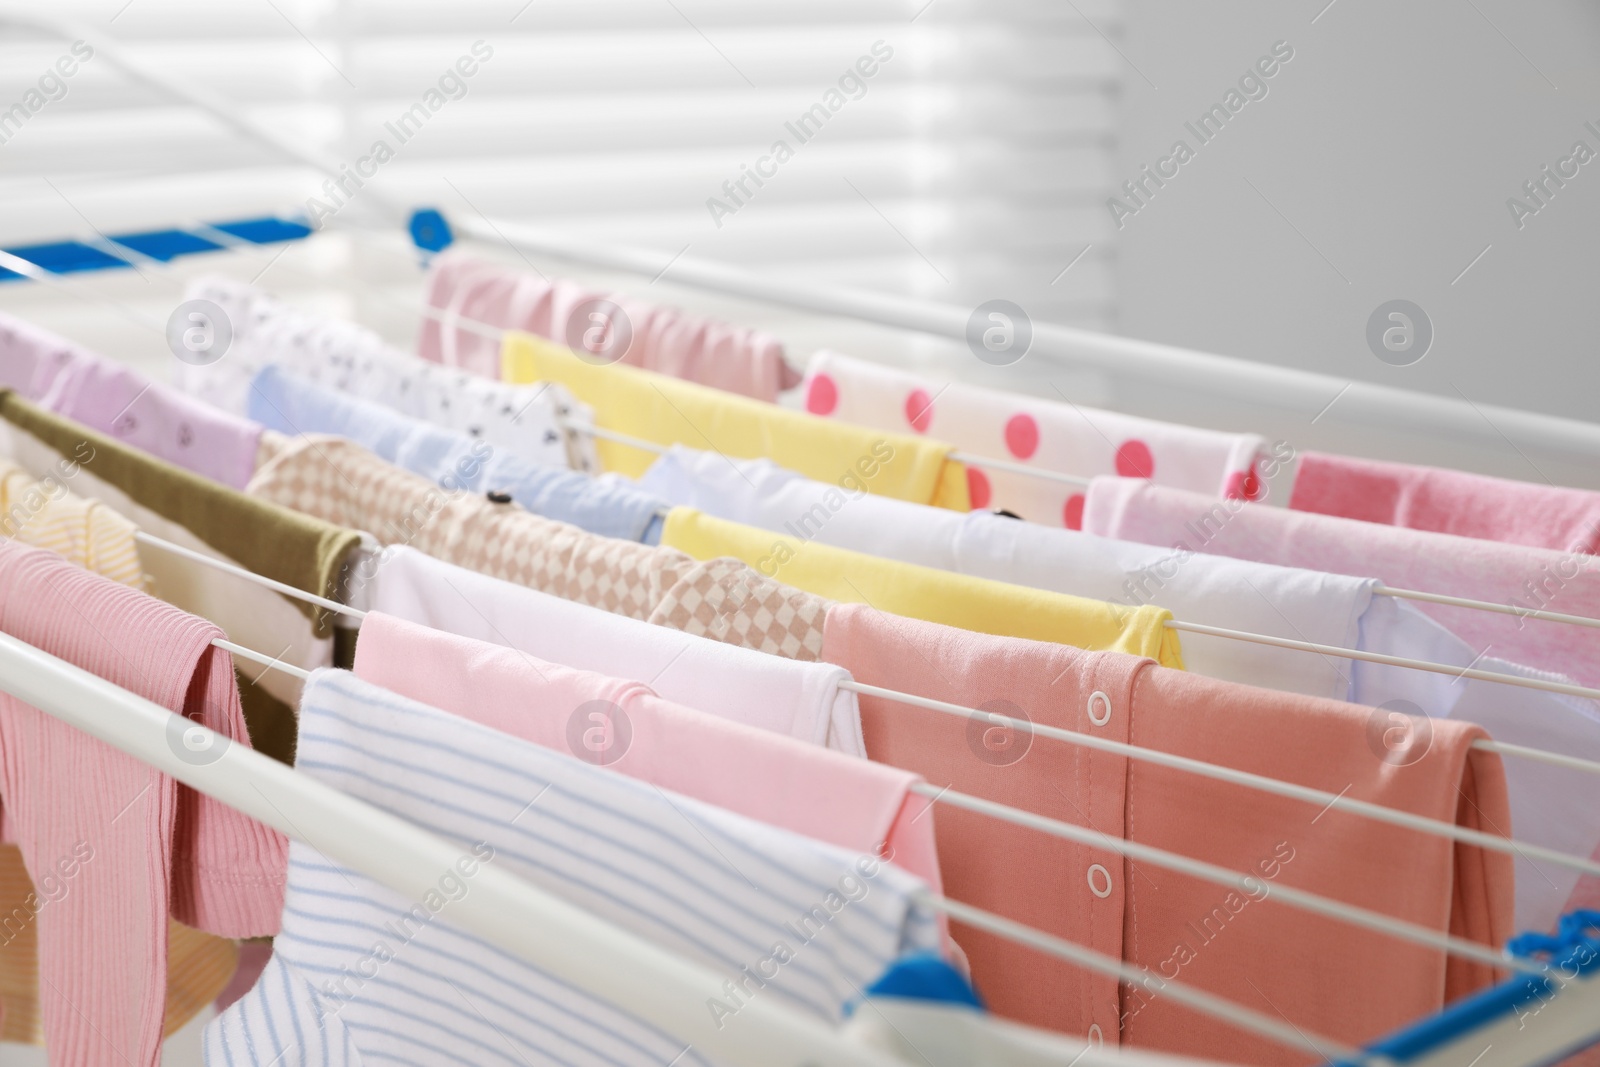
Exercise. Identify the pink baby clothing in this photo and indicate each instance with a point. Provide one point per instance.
(117, 400)
(1233, 942)
(1447, 501)
(131, 845)
(1515, 575)
(805, 700)
(1050, 434)
(662, 339)
(811, 790)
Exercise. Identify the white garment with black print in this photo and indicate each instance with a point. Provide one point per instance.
(529, 421)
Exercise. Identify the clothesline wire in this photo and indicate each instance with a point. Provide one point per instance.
(248, 575)
(1378, 657)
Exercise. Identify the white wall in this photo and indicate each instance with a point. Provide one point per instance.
(1377, 167)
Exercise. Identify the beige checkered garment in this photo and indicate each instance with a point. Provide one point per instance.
(729, 601)
(341, 482)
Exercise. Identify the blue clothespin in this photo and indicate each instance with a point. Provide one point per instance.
(429, 230)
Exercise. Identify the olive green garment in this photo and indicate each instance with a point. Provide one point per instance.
(271, 540)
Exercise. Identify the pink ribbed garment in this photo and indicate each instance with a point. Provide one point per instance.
(145, 847)
(1447, 501)
(779, 780)
(663, 339)
(1318, 973)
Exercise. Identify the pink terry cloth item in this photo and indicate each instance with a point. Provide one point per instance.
(811, 790)
(1447, 501)
(1217, 938)
(662, 339)
(1514, 575)
(141, 847)
(115, 399)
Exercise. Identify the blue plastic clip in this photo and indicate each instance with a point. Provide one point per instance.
(429, 230)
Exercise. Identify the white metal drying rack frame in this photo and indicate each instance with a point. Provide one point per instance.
(1200, 370)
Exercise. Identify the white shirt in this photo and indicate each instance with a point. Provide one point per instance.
(524, 420)
(786, 696)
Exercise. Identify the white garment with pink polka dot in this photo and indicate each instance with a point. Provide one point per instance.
(1049, 434)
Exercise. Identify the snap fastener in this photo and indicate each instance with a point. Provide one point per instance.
(1099, 875)
(1103, 702)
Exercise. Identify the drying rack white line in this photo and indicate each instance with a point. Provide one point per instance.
(1394, 661)
(1485, 605)
(1198, 999)
(1020, 468)
(261, 658)
(250, 576)
(1210, 872)
(1247, 779)
(1558, 759)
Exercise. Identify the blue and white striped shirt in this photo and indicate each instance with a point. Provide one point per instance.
(360, 975)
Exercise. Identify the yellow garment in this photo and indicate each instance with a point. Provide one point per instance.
(978, 604)
(199, 965)
(45, 515)
(669, 411)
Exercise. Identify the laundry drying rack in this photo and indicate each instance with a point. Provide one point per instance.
(665, 989)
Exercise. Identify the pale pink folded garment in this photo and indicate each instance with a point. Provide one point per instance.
(1514, 575)
(115, 399)
(1321, 974)
(767, 776)
(662, 339)
(1447, 501)
(126, 845)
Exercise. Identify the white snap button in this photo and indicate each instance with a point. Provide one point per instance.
(1099, 708)
(1099, 876)
(1096, 1035)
